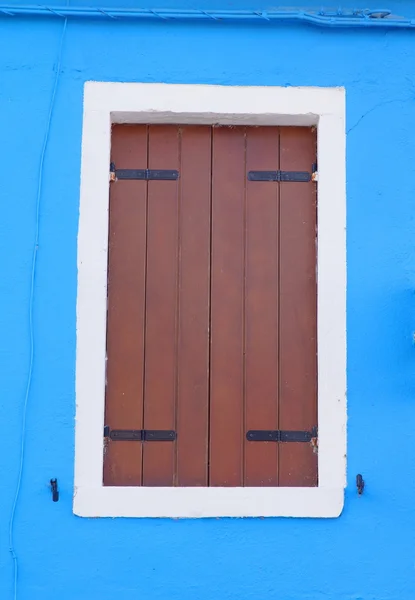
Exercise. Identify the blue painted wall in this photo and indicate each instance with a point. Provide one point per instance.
(368, 553)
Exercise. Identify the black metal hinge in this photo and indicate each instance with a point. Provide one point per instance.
(139, 435)
(143, 174)
(264, 435)
(291, 176)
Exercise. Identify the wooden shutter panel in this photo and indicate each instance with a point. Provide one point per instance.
(126, 307)
(298, 307)
(261, 307)
(161, 306)
(227, 308)
(194, 307)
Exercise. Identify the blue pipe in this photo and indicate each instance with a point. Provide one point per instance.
(380, 18)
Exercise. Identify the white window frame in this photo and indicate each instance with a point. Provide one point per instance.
(107, 103)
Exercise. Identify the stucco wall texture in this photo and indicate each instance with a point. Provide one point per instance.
(366, 554)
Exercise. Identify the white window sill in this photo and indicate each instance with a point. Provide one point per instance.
(207, 502)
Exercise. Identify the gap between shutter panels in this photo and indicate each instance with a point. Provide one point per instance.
(251, 469)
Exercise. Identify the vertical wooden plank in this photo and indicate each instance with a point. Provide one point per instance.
(227, 307)
(161, 306)
(194, 304)
(298, 307)
(261, 310)
(125, 327)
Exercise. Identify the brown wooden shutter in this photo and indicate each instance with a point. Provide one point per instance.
(211, 307)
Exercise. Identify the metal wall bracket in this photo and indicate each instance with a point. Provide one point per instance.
(264, 435)
(139, 435)
(360, 484)
(143, 174)
(284, 176)
(54, 489)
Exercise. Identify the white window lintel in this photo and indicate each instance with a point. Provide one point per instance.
(107, 103)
